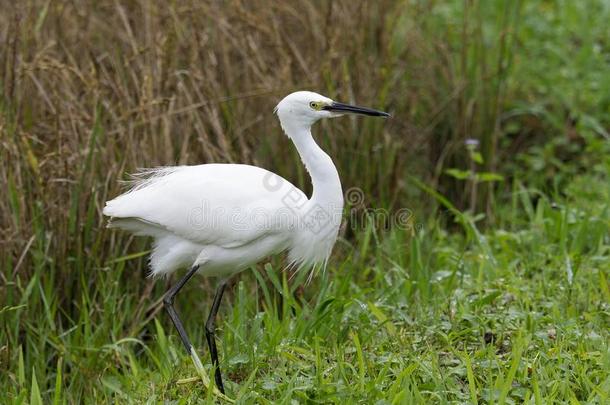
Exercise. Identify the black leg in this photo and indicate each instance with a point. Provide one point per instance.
(210, 329)
(168, 301)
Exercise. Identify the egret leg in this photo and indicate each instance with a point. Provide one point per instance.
(168, 301)
(210, 330)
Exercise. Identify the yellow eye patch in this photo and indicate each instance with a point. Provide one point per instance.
(316, 105)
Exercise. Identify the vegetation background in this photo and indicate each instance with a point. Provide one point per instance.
(498, 291)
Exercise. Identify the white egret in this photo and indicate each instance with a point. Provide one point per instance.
(218, 219)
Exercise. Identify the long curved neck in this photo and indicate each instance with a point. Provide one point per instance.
(324, 176)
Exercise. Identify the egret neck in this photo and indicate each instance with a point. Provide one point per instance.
(324, 176)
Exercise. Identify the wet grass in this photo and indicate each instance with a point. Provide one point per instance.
(493, 289)
(517, 313)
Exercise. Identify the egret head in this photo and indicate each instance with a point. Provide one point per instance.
(304, 108)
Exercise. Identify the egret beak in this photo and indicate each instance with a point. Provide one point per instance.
(353, 109)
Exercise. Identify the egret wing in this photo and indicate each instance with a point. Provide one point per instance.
(226, 205)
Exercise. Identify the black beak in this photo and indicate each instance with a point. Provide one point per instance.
(353, 109)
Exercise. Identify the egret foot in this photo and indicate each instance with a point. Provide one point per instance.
(204, 378)
(189, 380)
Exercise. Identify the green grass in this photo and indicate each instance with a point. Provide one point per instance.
(497, 293)
(489, 317)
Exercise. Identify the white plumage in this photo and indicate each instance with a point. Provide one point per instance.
(226, 217)
(221, 218)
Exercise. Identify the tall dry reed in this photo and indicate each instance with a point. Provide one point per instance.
(92, 90)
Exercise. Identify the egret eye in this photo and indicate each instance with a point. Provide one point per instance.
(315, 105)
